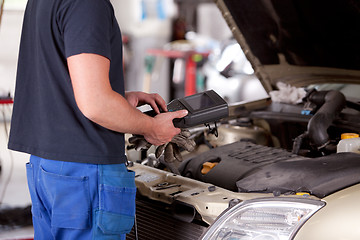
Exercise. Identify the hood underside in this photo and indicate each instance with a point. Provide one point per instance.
(302, 38)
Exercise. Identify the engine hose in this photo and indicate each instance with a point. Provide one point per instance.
(332, 104)
(298, 142)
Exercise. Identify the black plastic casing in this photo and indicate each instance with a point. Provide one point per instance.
(204, 107)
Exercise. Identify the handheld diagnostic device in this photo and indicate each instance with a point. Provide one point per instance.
(203, 108)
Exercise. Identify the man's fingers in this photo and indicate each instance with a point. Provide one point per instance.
(179, 114)
(155, 107)
(160, 102)
(157, 102)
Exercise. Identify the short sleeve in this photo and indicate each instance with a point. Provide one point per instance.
(86, 26)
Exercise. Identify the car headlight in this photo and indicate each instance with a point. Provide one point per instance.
(263, 219)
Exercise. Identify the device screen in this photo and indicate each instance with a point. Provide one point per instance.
(200, 101)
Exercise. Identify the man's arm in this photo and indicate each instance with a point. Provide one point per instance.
(95, 98)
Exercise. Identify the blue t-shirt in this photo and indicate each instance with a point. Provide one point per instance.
(46, 121)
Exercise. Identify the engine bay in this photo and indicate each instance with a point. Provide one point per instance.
(258, 148)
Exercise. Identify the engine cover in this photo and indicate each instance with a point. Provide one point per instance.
(247, 167)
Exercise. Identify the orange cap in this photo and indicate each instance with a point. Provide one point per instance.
(207, 166)
(349, 135)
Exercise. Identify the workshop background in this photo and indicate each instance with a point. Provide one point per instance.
(166, 44)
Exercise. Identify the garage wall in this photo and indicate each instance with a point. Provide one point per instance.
(10, 28)
(149, 33)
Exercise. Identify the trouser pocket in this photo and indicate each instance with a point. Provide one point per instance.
(35, 202)
(69, 199)
(117, 192)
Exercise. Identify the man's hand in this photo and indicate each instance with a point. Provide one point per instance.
(163, 129)
(137, 99)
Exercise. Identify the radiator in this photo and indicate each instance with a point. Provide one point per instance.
(155, 222)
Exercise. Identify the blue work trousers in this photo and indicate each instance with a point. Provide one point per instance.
(79, 201)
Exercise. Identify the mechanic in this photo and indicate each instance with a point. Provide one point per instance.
(71, 112)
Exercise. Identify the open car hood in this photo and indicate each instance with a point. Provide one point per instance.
(299, 42)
